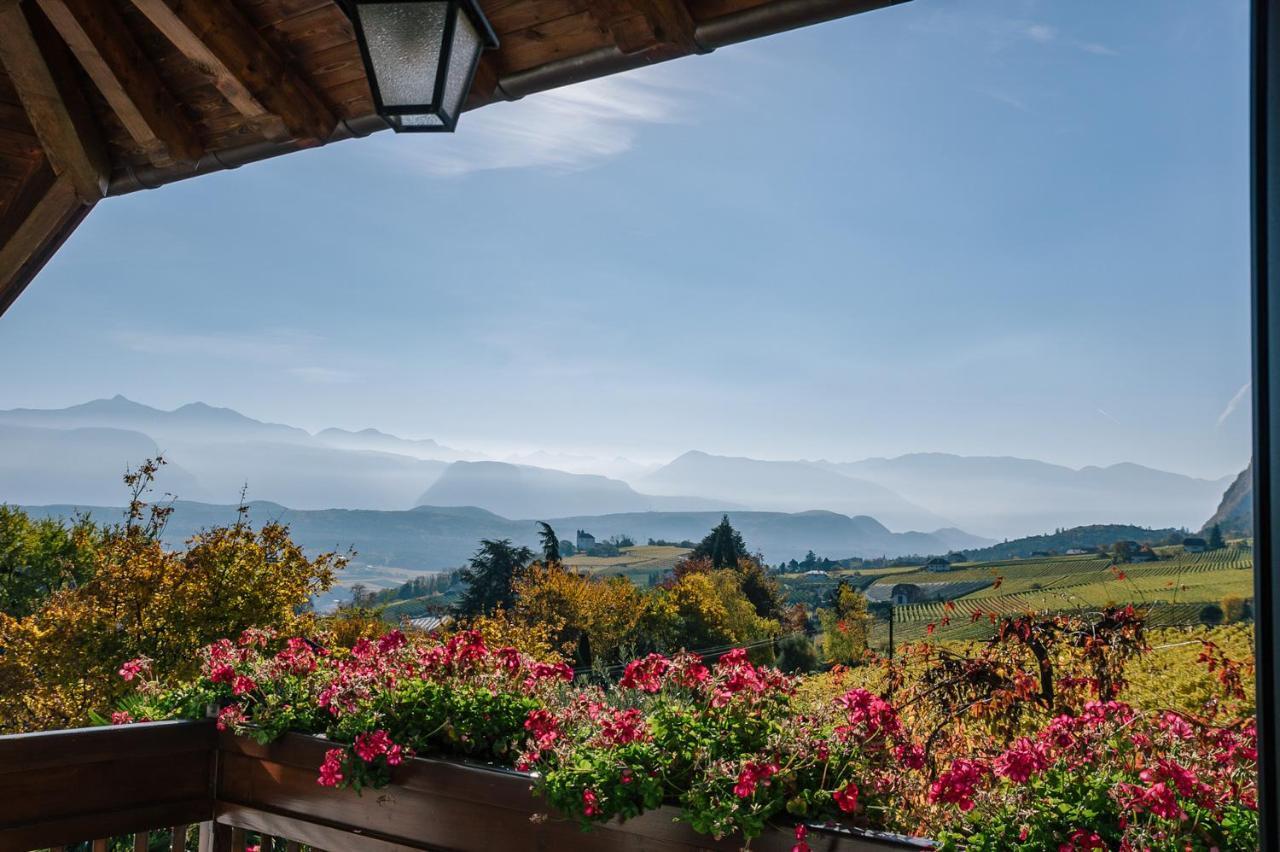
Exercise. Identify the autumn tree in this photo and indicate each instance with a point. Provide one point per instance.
(703, 609)
(143, 600)
(490, 577)
(724, 548)
(590, 618)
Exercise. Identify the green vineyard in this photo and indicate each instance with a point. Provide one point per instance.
(1174, 591)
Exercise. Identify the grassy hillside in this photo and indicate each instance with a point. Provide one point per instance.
(639, 564)
(1083, 538)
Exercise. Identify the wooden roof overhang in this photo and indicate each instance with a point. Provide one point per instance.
(105, 97)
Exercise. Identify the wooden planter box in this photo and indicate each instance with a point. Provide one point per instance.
(64, 787)
(436, 804)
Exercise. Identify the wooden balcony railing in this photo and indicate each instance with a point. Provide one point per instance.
(183, 786)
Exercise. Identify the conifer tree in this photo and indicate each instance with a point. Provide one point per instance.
(550, 544)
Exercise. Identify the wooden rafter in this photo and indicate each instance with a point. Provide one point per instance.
(215, 37)
(42, 74)
(98, 37)
(28, 239)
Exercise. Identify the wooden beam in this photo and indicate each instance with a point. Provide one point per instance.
(639, 25)
(217, 38)
(98, 37)
(672, 23)
(44, 78)
(33, 239)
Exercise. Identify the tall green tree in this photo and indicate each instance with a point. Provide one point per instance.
(550, 544)
(723, 546)
(490, 577)
(39, 556)
(1215, 538)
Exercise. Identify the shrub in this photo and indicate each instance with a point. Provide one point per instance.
(142, 600)
(797, 654)
(1235, 608)
(1211, 614)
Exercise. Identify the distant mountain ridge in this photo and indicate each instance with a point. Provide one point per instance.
(519, 491)
(431, 538)
(785, 486)
(193, 421)
(215, 452)
(377, 441)
(1012, 497)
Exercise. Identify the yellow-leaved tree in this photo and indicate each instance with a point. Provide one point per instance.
(143, 600)
(590, 619)
(704, 610)
(845, 626)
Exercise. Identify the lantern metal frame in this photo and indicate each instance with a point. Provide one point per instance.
(394, 115)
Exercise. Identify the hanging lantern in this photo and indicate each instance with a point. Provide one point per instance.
(421, 56)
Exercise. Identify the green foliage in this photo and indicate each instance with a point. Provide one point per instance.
(1065, 802)
(1216, 541)
(797, 654)
(40, 556)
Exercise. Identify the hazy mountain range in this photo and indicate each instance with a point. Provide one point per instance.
(433, 538)
(1012, 497)
(520, 491)
(76, 456)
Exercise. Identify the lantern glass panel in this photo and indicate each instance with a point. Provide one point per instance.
(404, 41)
(462, 61)
(418, 120)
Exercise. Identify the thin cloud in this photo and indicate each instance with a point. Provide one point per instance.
(1108, 416)
(324, 375)
(1042, 33)
(1000, 32)
(293, 352)
(1006, 99)
(568, 129)
(1094, 48)
(1241, 396)
(268, 346)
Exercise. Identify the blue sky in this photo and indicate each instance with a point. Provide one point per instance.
(980, 227)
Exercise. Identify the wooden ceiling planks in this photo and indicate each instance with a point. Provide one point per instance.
(165, 80)
(48, 86)
(125, 78)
